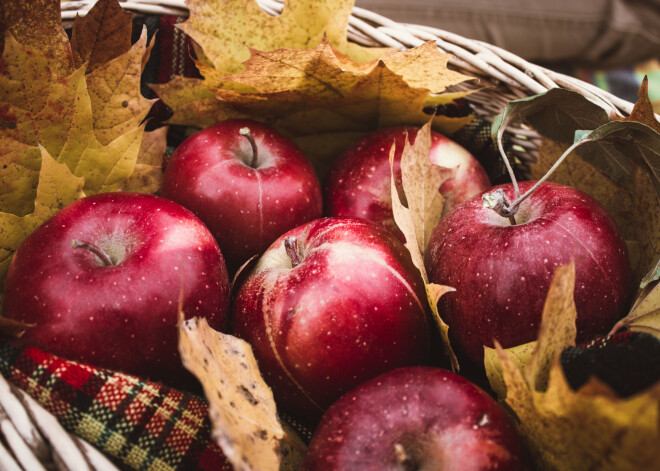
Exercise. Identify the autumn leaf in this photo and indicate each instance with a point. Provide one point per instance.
(421, 181)
(101, 35)
(643, 109)
(225, 38)
(224, 41)
(315, 90)
(321, 95)
(590, 428)
(241, 405)
(118, 106)
(645, 313)
(37, 24)
(56, 188)
(84, 109)
(147, 175)
(21, 164)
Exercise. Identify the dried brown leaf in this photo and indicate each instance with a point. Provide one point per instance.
(643, 110)
(101, 35)
(241, 405)
(419, 176)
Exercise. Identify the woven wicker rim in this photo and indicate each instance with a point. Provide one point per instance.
(502, 75)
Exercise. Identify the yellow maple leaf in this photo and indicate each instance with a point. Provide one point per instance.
(311, 89)
(84, 109)
(591, 428)
(56, 188)
(225, 37)
(147, 176)
(321, 95)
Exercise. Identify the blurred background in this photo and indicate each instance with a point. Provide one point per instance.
(610, 43)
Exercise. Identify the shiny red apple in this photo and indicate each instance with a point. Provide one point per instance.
(416, 418)
(359, 183)
(502, 272)
(246, 182)
(101, 282)
(329, 305)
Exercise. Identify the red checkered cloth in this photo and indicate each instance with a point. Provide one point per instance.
(138, 424)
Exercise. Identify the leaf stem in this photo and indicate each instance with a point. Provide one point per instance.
(246, 133)
(520, 199)
(500, 204)
(512, 175)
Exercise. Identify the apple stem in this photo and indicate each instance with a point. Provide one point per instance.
(498, 202)
(292, 250)
(107, 261)
(403, 458)
(246, 133)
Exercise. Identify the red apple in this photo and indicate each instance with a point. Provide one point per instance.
(249, 187)
(329, 305)
(502, 272)
(101, 282)
(359, 183)
(415, 418)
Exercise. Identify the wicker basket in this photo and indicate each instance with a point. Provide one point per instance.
(31, 438)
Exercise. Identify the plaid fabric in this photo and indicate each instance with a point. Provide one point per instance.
(139, 425)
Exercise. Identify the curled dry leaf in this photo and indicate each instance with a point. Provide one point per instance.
(241, 405)
(643, 110)
(421, 181)
(590, 428)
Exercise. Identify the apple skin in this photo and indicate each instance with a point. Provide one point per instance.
(440, 420)
(358, 184)
(502, 273)
(354, 307)
(121, 317)
(245, 208)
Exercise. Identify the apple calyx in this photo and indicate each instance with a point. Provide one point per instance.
(498, 202)
(104, 257)
(404, 459)
(246, 133)
(293, 251)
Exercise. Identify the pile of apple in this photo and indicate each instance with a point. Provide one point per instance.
(333, 306)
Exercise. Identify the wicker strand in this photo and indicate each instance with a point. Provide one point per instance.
(35, 441)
